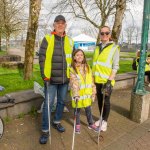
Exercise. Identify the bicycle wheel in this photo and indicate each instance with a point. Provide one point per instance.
(1, 127)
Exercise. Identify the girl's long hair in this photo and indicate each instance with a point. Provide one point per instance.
(83, 62)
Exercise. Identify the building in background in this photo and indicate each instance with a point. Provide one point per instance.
(84, 42)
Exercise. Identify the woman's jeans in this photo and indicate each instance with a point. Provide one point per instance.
(61, 90)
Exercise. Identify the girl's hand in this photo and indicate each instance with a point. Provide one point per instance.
(76, 98)
(93, 98)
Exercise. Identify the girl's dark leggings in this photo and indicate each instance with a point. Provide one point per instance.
(88, 113)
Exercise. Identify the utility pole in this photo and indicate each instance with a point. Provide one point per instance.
(139, 87)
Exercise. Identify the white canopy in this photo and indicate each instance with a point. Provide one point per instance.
(83, 38)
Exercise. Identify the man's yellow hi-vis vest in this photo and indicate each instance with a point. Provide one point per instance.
(102, 64)
(85, 91)
(68, 47)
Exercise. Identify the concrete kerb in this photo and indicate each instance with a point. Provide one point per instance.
(25, 100)
(125, 80)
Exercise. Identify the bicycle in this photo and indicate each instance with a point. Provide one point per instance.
(7, 99)
(1, 127)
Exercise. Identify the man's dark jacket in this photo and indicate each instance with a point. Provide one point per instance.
(59, 64)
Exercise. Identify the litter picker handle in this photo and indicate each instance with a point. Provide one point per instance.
(49, 113)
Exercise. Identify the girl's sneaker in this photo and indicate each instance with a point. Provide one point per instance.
(93, 127)
(77, 129)
(97, 123)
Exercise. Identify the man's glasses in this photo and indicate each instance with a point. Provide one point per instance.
(105, 33)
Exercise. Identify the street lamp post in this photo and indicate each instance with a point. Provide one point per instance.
(139, 87)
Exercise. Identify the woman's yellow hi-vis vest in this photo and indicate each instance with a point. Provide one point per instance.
(68, 47)
(102, 64)
(85, 91)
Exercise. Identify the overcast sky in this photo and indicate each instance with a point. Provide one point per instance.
(133, 17)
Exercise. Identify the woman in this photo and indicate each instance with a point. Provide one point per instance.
(105, 66)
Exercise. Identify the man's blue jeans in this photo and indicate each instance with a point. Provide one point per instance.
(61, 90)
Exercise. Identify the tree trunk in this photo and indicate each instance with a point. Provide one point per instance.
(7, 43)
(35, 6)
(102, 24)
(0, 40)
(120, 9)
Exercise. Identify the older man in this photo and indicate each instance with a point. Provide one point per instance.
(55, 59)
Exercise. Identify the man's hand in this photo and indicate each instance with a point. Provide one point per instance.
(46, 81)
(107, 88)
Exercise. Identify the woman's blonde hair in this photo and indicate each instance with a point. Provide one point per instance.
(105, 27)
(138, 53)
(110, 39)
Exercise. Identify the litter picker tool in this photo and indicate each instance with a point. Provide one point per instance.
(101, 118)
(75, 116)
(49, 113)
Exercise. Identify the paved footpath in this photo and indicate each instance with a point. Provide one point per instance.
(122, 133)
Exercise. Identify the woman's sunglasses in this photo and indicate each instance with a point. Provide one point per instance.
(104, 33)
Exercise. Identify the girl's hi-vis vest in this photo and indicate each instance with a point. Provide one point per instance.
(68, 47)
(85, 91)
(102, 63)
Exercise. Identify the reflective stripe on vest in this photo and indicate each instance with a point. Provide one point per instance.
(85, 86)
(101, 75)
(85, 97)
(102, 64)
(68, 47)
(85, 91)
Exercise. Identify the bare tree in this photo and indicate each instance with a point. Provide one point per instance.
(35, 7)
(129, 33)
(97, 12)
(137, 34)
(11, 13)
(120, 9)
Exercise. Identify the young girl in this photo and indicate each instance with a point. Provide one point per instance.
(83, 89)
